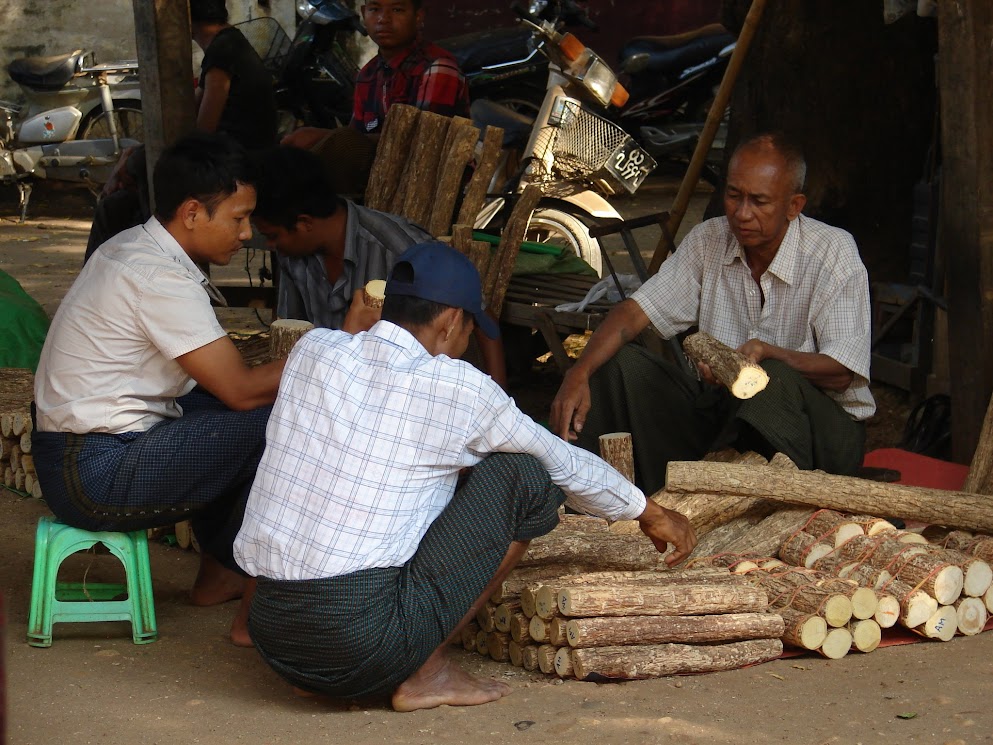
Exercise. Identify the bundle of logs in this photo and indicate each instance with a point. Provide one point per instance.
(635, 619)
(16, 462)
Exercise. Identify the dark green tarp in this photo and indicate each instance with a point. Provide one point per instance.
(23, 325)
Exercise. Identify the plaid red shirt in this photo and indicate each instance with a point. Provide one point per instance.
(425, 76)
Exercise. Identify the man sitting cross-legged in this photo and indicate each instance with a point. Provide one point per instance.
(124, 438)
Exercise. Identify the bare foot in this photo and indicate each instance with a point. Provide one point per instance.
(239, 627)
(440, 681)
(215, 583)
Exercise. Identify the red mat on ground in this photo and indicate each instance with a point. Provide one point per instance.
(919, 470)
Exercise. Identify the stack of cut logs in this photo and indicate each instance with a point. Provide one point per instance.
(634, 620)
(16, 462)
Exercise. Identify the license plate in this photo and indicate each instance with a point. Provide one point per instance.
(630, 165)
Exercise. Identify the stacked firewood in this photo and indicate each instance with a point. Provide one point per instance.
(638, 620)
(16, 461)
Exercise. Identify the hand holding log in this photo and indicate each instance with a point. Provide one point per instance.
(732, 369)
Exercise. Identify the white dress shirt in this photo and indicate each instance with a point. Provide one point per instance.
(816, 294)
(109, 360)
(364, 447)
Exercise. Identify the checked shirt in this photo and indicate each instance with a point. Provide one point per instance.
(425, 76)
(363, 452)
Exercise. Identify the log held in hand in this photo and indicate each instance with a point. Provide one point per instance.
(732, 369)
(845, 493)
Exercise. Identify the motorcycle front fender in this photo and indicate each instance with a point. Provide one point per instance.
(593, 204)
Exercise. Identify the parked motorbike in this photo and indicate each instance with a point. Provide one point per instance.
(573, 151)
(504, 65)
(77, 119)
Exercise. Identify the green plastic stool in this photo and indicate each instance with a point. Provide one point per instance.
(77, 602)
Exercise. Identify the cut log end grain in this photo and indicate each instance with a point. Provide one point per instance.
(978, 577)
(732, 369)
(941, 625)
(887, 611)
(837, 644)
(563, 663)
(546, 658)
(971, 615)
(283, 334)
(469, 636)
(529, 657)
(374, 293)
(865, 635)
(803, 630)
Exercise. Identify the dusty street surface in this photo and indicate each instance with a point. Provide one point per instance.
(192, 686)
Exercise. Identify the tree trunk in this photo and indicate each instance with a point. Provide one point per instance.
(732, 369)
(844, 493)
(625, 630)
(802, 550)
(659, 660)
(677, 600)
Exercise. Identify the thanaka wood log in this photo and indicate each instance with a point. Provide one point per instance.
(731, 368)
(520, 628)
(977, 574)
(834, 607)
(283, 334)
(803, 550)
(546, 658)
(828, 526)
(873, 525)
(939, 579)
(27, 462)
(411, 199)
(865, 635)
(529, 657)
(602, 551)
(557, 631)
(6, 443)
(766, 537)
(675, 600)
(617, 450)
(717, 540)
(498, 646)
(836, 644)
(516, 652)
(484, 617)
(391, 155)
(971, 615)
(469, 636)
(988, 600)
(510, 589)
(916, 606)
(540, 629)
(941, 625)
(19, 479)
(976, 545)
(15, 457)
(803, 630)
(660, 660)
(845, 493)
(887, 610)
(582, 524)
(184, 534)
(486, 163)
(563, 663)
(503, 613)
(455, 156)
(621, 631)
(502, 266)
(906, 536)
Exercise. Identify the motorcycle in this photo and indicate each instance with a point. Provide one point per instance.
(78, 118)
(573, 150)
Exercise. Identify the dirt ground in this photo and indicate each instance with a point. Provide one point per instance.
(191, 686)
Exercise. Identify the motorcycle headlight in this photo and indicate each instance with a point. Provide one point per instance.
(305, 9)
(595, 76)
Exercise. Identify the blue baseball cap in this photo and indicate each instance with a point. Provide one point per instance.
(439, 273)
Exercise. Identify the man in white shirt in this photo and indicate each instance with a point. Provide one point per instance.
(123, 441)
(369, 551)
(786, 290)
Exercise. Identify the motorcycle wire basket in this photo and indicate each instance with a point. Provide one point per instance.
(579, 147)
(268, 40)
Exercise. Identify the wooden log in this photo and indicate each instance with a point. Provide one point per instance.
(768, 535)
(845, 493)
(833, 607)
(28, 481)
(516, 652)
(540, 629)
(988, 600)
(916, 606)
(503, 613)
(481, 640)
(802, 550)
(941, 625)
(487, 158)
(374, 293)
(184, 534)
(36, 490)
(887, 610)
(520, 577)
(976, 545)
(563, 663)
(602, 551)
(546, 658)
(484, 617)
(582, 524)
(498, 646)
(873, 525)
(733, 532)
(828, 526)
(19, 479)
(283, 334)
(939, 579)
(520, 628)
(557, 634)
(880, 551)
(659, 660)
(8, 476)
(865, 635)
(676, 600)
(529, 657)
(20, 423)
(906, 536)
(391, 155)
(627, 630)
(25, 442)
(731, 368)
(617, 450)
(15, 457)
(458, 151)
(469, 636)
(971, 615)
(528, 599)
(837, 644)
(27, 463)
(977, 574)
(803, 630)
(502, 265)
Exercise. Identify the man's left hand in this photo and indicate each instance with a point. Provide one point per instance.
(360, 317)
(755, 350)
(663, 527)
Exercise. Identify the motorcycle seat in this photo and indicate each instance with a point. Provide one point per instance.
(483, 48)
(516, 127)
(672, 54)
(45, 73)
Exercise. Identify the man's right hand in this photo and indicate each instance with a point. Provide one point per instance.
(571, 405)
(665, 526)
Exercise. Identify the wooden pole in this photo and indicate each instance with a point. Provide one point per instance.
(714, 116)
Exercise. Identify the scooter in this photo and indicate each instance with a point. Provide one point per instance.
(78, 118)
(573, 151)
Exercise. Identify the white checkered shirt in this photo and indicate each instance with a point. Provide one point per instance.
(816, 297)
(364, 447)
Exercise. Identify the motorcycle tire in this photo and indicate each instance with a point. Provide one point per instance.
(130, 124)
(556, 226)
(524, 99)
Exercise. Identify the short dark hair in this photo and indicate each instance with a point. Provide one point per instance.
(208, 11)
(292, 182)
(204, 166)
(790, 151)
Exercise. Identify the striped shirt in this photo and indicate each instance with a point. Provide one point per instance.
(425, 76)
(816, 294)
(363, 451)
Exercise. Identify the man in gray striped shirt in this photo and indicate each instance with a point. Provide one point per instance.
(784, 289)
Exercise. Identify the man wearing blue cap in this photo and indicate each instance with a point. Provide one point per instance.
(371, 551)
